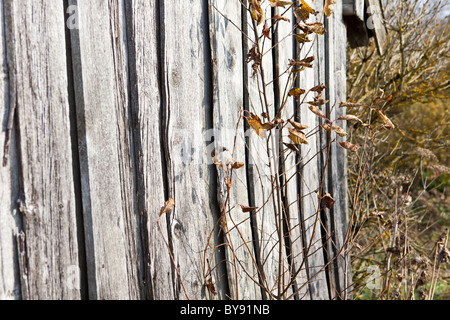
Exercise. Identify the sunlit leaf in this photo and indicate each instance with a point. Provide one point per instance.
(296, 92)
(237, 165)
(306, 62)
(298, 125)
(334, 128)
(316, 27)
(317, 112)
(388, 123)
(328, 7)
(301, 37)
(278, 17)
(349, 146)
(255, 122)
(247, 208)
(297, 137)
(318, 88)
(268, 125)
(303, 11)
(317, 102)
(350, 117)
(278, 3)
(256, 11)
(168, 206)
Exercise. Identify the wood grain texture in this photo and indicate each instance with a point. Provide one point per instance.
(104, 146)
(289, 168)
(187, 110)
(47, 242)
(227, 57)
(311, 174)
(337, 183)
(9, 190)
(375, 23)
(144, 72)
(263, 162)
(155, 86)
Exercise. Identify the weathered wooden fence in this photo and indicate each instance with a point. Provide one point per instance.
(109, 108)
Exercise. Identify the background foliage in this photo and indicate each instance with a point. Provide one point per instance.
(399, 181)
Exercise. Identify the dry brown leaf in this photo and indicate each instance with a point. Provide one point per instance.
(291, 146)
(278, 3)
(303, 11)
(256, 11)
(349, 146)
(388, 124)
(298, 125)
(278, 17)
(318, 88)
(256, 56)
(297, 137)
(306, 62)
(317, 112)
(255, 122)
(247, 208)
(237, 165)
(266, 32)
(327, 201)
(268, 125)
(328, 7)
(301, 37)
(334, 128)
(350, 117)
(168, 206)
(317, 102)
(316, 27)
(210, 285)
(296, 92)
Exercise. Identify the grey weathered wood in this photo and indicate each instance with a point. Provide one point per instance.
(47, 243)
(9, 190)
(143, 68)
(338, 178)
(311, 173)
(156, 86)
(262, 167)
(375, 23)
(101, 101)
(288, 159)
(227, 57)
(186, 110)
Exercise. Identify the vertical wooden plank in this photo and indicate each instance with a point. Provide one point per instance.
(104, 146)
(337, 178)
(9, 190)
(284, 81)
(311, 173)
(227, 54)
(47, 243)
(144, 69)
(187, 110)
(262, 168)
